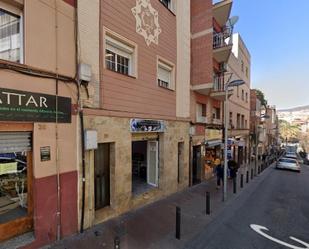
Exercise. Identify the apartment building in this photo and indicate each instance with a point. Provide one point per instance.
(272, 128)
(238, 67)
(211, 47)
(136, 107)
(38, 159)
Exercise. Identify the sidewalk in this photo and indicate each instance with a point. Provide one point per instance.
(153, 226)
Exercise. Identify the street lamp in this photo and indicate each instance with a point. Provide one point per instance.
(229, 84)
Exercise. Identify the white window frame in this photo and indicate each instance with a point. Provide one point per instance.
(19, 12)
(120, 46)
(169, 66)
(171, 6)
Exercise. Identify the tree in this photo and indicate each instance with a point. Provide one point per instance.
(261, 96)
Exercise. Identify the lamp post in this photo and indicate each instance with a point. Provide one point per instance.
(228, 84)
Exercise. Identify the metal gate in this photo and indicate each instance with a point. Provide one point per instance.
(15, 142)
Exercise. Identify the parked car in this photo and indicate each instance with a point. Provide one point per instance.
(288, 163)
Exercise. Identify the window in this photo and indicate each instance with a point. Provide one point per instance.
(237, 91)
(119, 56)
(238, 120)
(216, 113)
(242, 66)
(242, 94)
(201, 113)
(246, 124)
(231, 120)
(242, 121)
(168, 4)
(247, 97)
(10, 36)
(165, 74)
(247, 72)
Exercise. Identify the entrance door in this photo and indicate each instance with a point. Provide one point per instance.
(152, 163)
(16, 207)
(102, 175)
(196, 165)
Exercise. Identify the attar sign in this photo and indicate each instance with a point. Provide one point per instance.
(27, 106)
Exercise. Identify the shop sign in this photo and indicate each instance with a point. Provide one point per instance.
(27, 106)
(213, 134)
(146, 125)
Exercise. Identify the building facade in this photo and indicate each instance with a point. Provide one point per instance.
(239, 102)
(38, 120)
(209, 55)
(136, 104)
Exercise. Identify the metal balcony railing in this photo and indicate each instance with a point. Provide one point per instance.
(219, 82)
(222, 39)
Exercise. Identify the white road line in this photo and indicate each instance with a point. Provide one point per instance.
(258, 229)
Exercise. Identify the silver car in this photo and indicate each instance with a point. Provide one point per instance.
(288, 163)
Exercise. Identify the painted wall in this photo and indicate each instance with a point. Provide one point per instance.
(139, 94)
(49, 45)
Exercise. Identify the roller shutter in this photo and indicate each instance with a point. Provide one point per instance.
(15, 142)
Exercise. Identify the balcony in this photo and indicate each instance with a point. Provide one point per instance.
(201, 119)
(218, 91)
(216, 121)
(221, 11)
(204, 89)
(222, 46)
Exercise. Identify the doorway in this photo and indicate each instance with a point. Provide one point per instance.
(102, 175)
(196, 165)
(16, 205)
(144, 166)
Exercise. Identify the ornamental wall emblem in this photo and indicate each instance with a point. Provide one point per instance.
(147, 21)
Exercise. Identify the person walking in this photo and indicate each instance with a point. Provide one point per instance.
(233, 166)
(219, 172)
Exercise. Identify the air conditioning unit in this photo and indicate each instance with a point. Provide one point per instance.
(223, 67)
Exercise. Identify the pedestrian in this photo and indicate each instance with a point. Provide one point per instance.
(219, 172)
(233, 166)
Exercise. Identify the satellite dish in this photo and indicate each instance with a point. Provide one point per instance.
(231, 22)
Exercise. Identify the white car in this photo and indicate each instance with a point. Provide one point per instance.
(288, 163)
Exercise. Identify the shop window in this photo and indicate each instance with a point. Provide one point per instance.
(165, 75)
(11, 42)
(119, 56)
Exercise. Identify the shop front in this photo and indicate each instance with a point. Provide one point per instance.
(29, 168)
(213, 150)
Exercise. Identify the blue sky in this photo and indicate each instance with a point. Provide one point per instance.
(276, 33)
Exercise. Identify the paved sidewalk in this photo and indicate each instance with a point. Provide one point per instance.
(153, 226)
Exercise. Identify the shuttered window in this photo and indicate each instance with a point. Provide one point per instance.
(11, 142)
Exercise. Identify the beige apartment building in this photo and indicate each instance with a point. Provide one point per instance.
(38, 121)
(136, 107)
(239, 66)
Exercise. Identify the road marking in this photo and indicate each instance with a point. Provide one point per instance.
(258, 229)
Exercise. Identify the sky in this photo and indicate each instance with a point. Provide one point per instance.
(276, 32)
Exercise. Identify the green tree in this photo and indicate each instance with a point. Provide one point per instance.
(261, 96)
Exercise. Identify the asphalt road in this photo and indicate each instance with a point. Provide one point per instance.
(277, 200)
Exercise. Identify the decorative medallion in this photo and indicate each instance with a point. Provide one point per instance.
(147, 21)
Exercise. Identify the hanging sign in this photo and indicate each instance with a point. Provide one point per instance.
(146, 125)
(18, 105)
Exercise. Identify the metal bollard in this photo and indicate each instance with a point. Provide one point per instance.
(241, 180)
(207, 203)
(234, 185)
(178, 216)
(247, 176)
(116, 243)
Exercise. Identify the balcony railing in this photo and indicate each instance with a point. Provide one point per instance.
(222, 39)
(219, 82)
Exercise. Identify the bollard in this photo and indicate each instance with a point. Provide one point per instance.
(207, 203)
(116, 243)
(251, 174)
(234, 185)
(178, 214)
(247, 176)
(259, 170)
(241, 180)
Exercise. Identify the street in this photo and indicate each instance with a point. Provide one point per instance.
(279, 202)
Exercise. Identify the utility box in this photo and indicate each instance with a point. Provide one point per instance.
(84, 72)
(91, 139)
